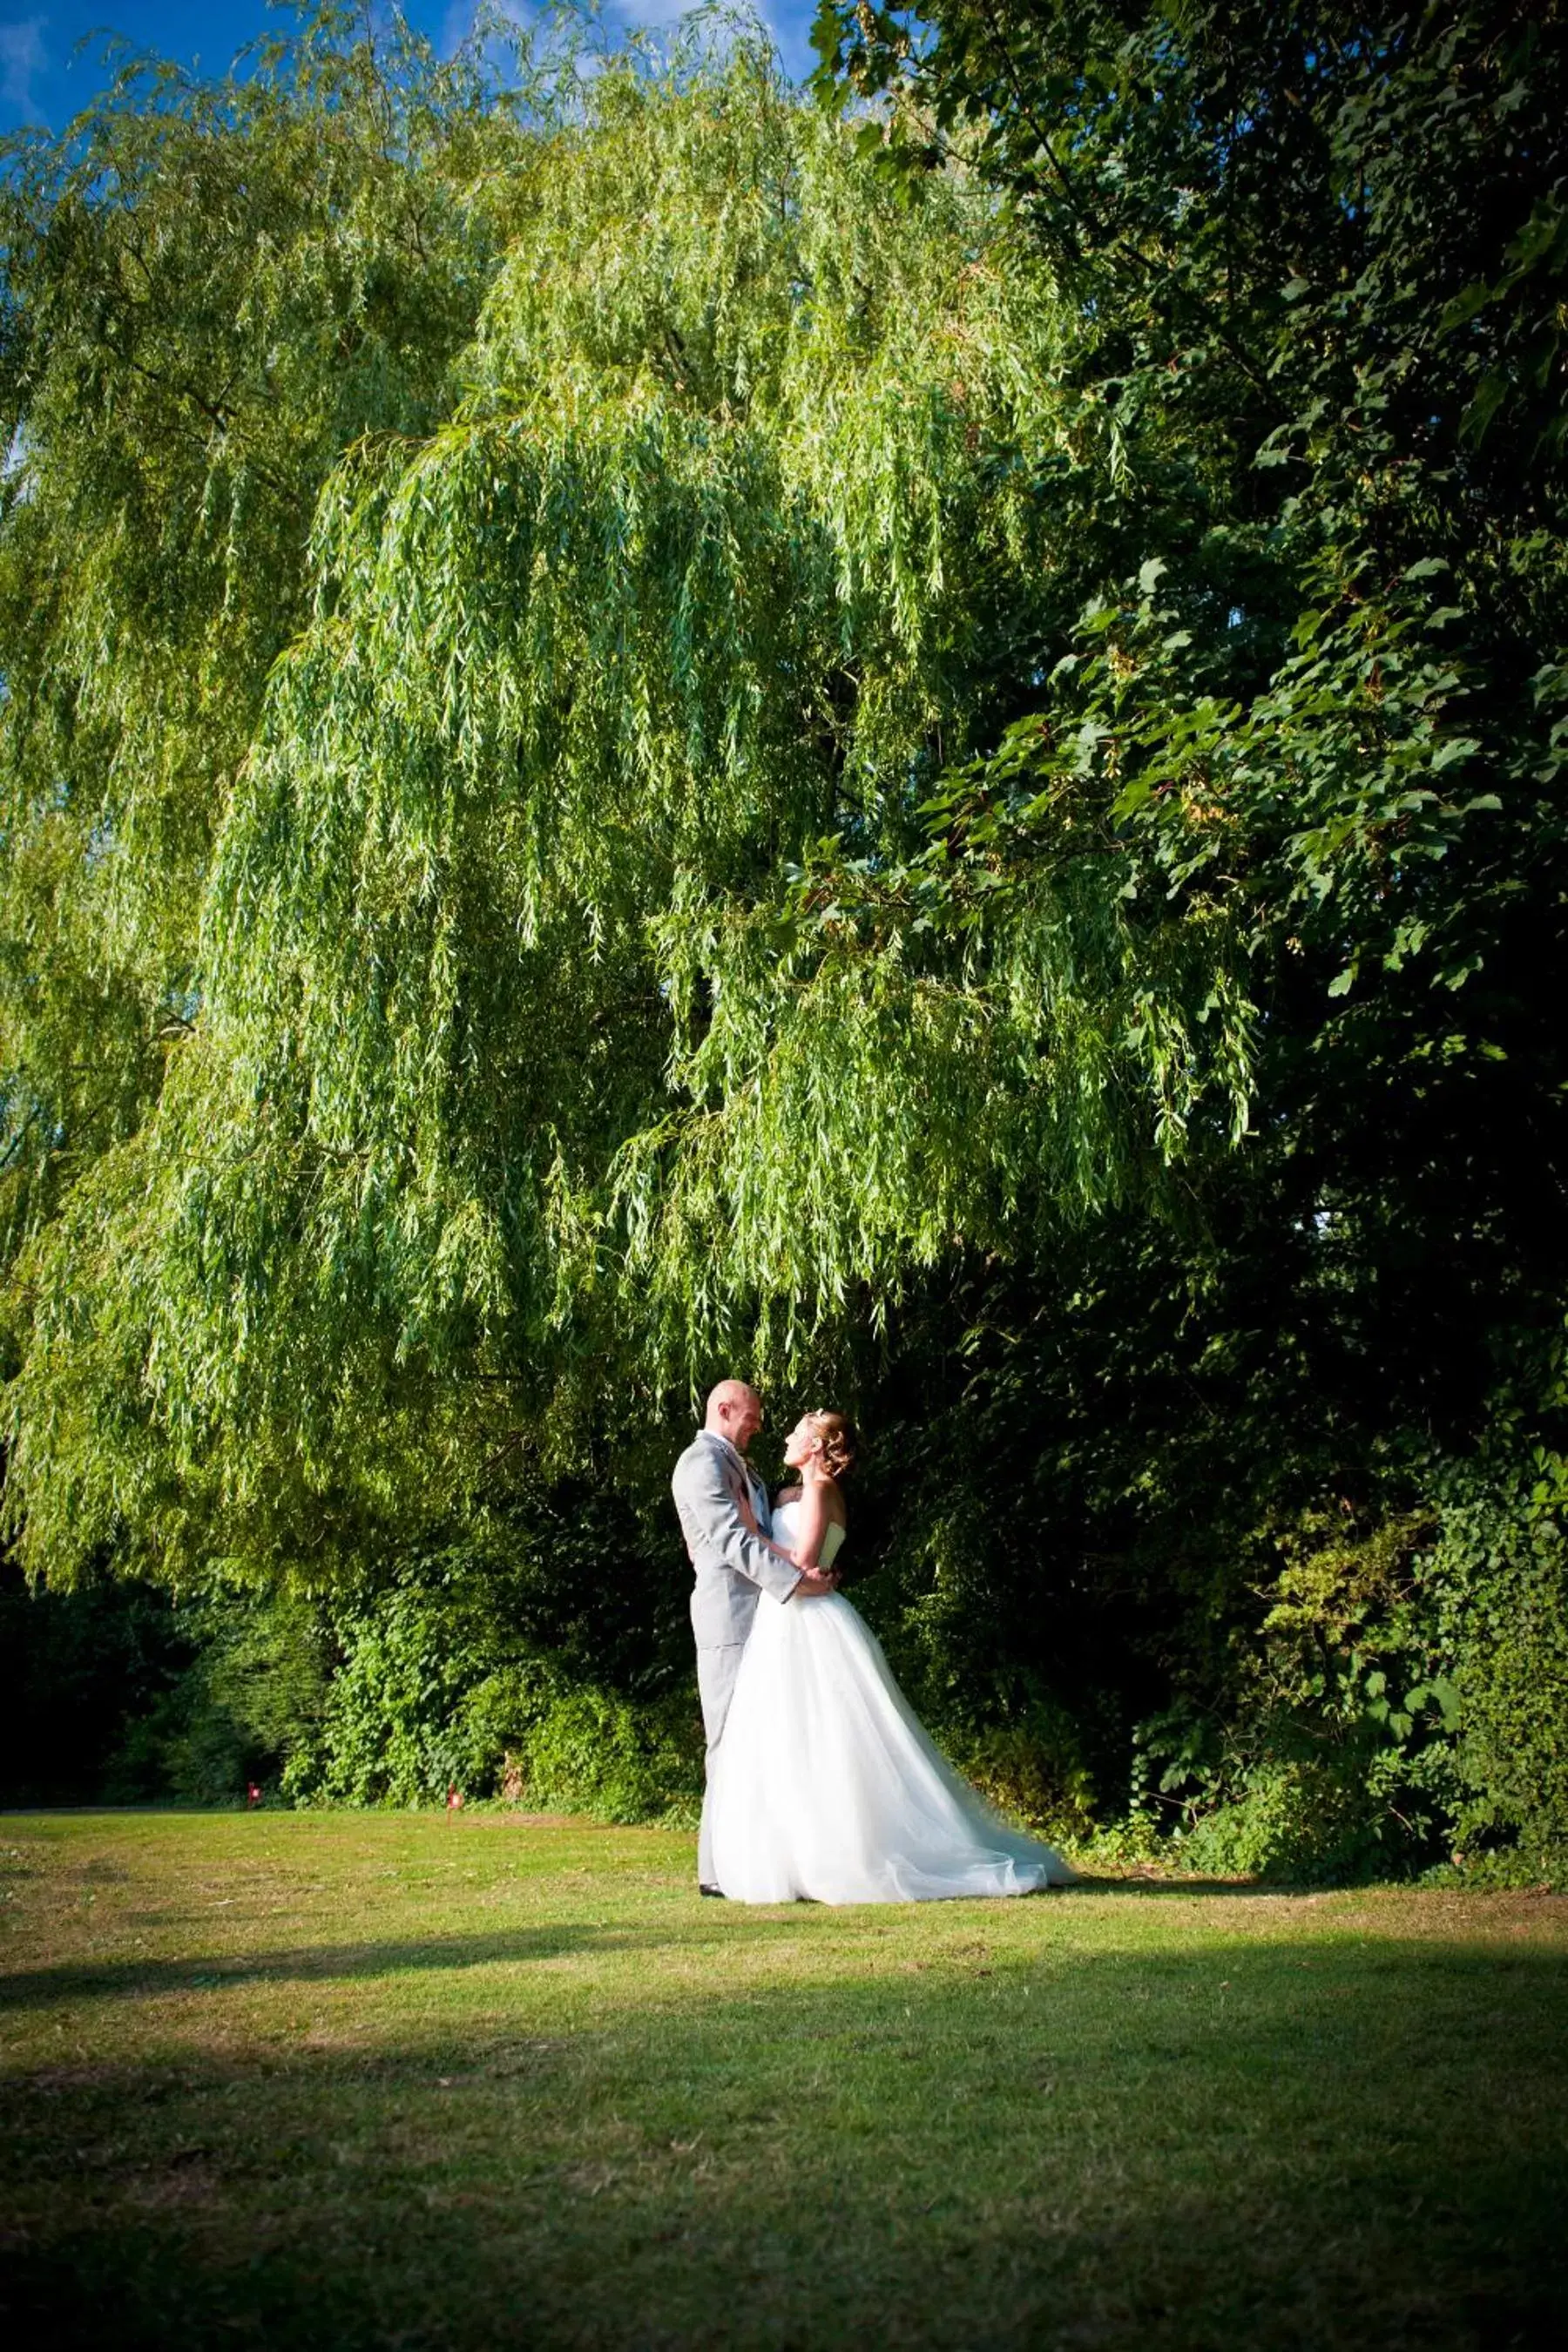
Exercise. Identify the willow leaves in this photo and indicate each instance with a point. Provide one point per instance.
(586, 975)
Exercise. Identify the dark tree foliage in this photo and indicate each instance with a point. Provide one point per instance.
(1320, 256)
(88, 1675)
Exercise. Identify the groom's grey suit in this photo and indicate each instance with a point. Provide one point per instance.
(710, 1483)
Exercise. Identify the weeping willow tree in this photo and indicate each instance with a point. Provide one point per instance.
(584, 985)
(210, 292)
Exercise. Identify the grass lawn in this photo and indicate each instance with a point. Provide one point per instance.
(346, 2080)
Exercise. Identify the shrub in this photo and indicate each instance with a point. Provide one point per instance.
(546, 1744)
(1331, 1755)
(1032, 1769)
(1500, 1579)
(429, 1693)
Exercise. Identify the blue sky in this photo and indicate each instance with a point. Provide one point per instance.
(42, 82)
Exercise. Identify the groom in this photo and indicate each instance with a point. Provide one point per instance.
(724, 1517)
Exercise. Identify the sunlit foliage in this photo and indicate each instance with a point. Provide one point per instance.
(523, 1018)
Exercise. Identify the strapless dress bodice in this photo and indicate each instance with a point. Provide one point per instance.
(787, 1519)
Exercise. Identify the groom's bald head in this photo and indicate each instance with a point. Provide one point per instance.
(735, 1412)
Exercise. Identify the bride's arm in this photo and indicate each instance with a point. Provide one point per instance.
(811, 1527)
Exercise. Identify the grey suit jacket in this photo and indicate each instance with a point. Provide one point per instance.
(732, 1566)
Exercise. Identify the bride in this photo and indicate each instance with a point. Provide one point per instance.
(825, 1784)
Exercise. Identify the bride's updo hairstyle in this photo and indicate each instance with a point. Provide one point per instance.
(838, 1439)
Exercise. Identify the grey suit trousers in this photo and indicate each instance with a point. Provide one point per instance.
(716, 1671)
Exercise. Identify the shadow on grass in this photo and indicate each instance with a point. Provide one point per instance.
(733, 1924)
(315, 1964)
(1173, 2149)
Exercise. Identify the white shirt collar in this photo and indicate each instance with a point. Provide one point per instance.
(736, 1456)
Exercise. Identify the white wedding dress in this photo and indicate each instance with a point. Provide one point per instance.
(826, 1785)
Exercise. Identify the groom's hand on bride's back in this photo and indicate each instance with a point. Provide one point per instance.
(813, 1580)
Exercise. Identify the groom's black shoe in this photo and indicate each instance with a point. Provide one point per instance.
(716, 1892)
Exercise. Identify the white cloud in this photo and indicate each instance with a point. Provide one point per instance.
(21, 57)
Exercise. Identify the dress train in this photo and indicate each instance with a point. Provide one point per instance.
(827, 1785)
